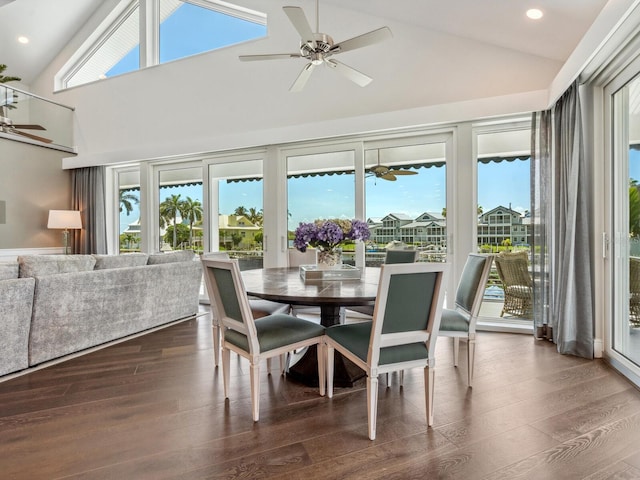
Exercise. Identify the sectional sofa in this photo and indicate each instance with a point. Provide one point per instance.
(55, 305)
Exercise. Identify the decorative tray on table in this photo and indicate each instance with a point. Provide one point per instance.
(342, 272)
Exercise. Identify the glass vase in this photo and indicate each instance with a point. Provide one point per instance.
(330, 259)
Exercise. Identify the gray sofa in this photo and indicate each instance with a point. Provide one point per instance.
(55, 305)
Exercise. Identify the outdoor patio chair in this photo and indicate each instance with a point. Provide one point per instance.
(252, 339)
(403, 332)
(460, 322)
(513, 270)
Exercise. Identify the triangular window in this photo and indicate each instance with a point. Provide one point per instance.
(184, 28)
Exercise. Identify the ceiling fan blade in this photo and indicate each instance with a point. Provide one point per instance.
(29, 135)
(299, 20)
(273, 56)
(349, 72)
(388, 176)
(28, 127)
(402, 172)
(363, 40)
(301, 81)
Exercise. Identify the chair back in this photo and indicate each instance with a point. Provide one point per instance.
(472, 283)
(226, 290)
(401, 256)
(406, 316)
(513, 268)
(297, 258)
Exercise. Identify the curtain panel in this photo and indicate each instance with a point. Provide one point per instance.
(562, 225)
(88, 196)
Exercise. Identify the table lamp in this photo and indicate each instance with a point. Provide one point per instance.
(64, 219)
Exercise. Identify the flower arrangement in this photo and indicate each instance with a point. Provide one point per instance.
(328, 235)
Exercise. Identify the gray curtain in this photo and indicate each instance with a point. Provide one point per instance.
(541, 213)
(561, 197)
(88, 196)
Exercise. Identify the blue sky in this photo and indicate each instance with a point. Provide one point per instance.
(201, 30)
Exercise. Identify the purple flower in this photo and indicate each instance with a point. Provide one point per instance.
(328, 234)
(359, 230)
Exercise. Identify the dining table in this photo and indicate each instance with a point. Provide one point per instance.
(286, 285)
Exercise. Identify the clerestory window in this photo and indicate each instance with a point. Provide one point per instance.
(170, 30)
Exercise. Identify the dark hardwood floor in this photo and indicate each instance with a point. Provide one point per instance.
(153, 408)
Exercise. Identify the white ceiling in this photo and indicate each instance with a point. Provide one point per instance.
(51, 24)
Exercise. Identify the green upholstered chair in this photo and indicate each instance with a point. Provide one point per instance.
(402, 334)
(392, 256)
(259, 308)
(460, 322)
(255, 340)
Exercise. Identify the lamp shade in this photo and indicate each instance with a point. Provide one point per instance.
(64, 219)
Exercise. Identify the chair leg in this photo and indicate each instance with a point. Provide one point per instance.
(216, 342)
(456, 350)
(254, 374)
(226, 359)
(401, 378)
(322, 363)
(372, 405)
(330, 354)
(471, 354)
(429, 376)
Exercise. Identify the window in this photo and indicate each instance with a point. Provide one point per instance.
(504, 180)
(188, 29)
(408, 207)
(117, 51)
(185, 28)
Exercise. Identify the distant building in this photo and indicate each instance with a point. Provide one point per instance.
(430, 229)
(230, 224)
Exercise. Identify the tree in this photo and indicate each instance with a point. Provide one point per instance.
(241, 212)
(255, 216)
(236, 238)
(192, 210)
(634, 209)
(179, 231)
(127, 200)
(444, 212)
(169, 210)
(480, 210)
(6, 79)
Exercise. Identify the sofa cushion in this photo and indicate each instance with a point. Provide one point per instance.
(8, 270)
(41, 265)
(120, 261)
(171, 257)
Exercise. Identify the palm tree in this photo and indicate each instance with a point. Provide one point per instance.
(255, 216)
(169, 210)
(241, 212)
(127, 200)
(6, 79)
(192, 210)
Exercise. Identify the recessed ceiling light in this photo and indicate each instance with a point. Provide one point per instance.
(534, 13)
(23, 39)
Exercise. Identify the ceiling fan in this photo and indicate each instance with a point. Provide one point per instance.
(387, 173)
(7, 126)
(318, 48)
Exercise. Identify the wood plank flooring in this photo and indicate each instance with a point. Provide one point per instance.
(153, 408)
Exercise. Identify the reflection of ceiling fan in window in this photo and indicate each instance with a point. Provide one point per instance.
(318, 48)
(7, 126)
(387, 173)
